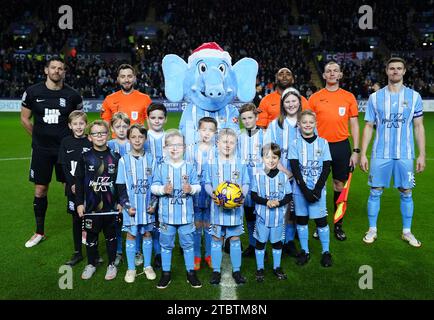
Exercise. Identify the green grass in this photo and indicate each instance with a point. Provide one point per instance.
(399, 271)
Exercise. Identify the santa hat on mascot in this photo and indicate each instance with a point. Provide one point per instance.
(209, 50)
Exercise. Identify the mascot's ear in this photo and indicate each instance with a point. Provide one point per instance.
(245, 72)
(174, 70)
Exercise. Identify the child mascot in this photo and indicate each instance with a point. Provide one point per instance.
(208, 83)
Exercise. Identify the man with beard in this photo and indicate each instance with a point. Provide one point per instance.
(50, 104)
(270, 105)
(127, 100)
(134, 104)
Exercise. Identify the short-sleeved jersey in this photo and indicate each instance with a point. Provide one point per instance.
(221, 171)
(226, 117)
(155, 146)
(137, 173)
(249, 148)
(272, 189)
(134, 105)
(393, 113)
(121, 148)
(201, 158)
(270, 108)
(96, 181)
(283, 137)
(70, 152)
(50, 111)
(177, 208)
(310, 157)
(333, 111)
(249, 153)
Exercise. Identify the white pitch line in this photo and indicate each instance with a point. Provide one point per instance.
(228, 286)
(13, 159)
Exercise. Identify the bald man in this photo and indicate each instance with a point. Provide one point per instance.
(270, 104)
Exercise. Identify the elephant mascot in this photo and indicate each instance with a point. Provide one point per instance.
(209, 84)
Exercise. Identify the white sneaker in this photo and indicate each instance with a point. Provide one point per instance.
(111, 273)
(34, 240)
(411, 239)
(370, 236)
(138, 260)
(88, 272)
(150, 273)
(130, 276)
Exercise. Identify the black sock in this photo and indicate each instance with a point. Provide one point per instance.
(92, 247)
(40, 209)
(76, 233)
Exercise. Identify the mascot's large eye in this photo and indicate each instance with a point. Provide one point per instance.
(222, 68)
(202, 67)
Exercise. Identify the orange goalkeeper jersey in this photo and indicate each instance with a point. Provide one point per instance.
(133, 104)
(333, 111)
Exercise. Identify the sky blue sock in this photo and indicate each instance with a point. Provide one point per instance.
(208, 240)
(324, 237)
(407, 208)
(119, 239)
(147, 251)
(236, 255)
(130, 249)
(216, 255)
(166, 259)
(277, 255)
(303, 236)
(259, 258)
(251, 229)
(289, 232)
(374, 207)
(156, 241)
(189, 258)
(197, 241)
(138, 243)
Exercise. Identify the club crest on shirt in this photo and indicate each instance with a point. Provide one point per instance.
(62, 102)
(405, 104)
(185, 178)
(111, 168)
(342, 111)
(235, 175)
(91, 168)
(148, 171)
(318, 152)
(134, 115)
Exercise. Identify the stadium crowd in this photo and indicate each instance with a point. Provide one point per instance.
(97, 31)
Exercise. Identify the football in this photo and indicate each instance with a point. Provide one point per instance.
(230, 194)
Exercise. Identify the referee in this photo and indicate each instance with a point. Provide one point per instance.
(335, 108)
(49, 103)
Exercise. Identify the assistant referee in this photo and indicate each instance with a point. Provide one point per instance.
(335, 108)
(49, 103)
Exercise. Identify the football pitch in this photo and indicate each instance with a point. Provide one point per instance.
(399, 271)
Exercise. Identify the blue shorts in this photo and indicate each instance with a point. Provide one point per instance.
(263, 233)
(202, 214)
(139, 229)
(382, 169)
(226, 231)
(168, 233)
(314, 210)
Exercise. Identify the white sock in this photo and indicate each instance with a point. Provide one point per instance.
(405, 231)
